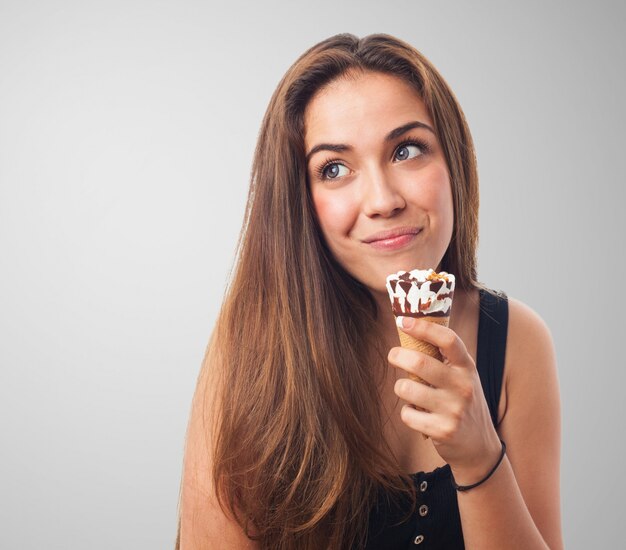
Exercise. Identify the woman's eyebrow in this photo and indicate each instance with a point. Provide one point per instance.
(340, 147)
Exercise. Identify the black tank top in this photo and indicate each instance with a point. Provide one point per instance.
(436, 524)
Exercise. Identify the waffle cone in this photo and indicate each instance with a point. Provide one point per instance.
(409, 342)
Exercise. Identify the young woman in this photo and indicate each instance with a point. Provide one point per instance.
(305, 425)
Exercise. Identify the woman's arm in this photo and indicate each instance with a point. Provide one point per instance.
(203, 524)
(519, 506)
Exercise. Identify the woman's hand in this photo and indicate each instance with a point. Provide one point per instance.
(455, 415)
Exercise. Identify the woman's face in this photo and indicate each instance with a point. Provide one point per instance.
(385, 172)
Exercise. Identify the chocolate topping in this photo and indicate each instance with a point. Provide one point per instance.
(436, 285)
(425, 306)
(397, 309)
(405, 285)
(411, 297)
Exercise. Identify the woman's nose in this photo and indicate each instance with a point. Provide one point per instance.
(380, 196)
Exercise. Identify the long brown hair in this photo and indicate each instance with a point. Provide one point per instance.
(299, 454)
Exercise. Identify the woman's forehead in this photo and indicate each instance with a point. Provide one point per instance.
(361, 109)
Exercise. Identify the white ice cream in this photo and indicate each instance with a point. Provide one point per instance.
(420, 299)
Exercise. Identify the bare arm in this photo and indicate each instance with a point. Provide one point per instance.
(203, 524)
(519, 506)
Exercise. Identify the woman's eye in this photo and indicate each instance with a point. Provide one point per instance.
(331, 171)
(404, 151)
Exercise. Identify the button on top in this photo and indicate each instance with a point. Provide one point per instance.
(419, 539)
(423, 486)
(423, 510)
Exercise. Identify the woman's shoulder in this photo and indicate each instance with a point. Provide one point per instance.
(531, 425)
(530, 372)
(525, 325)
(528, 336)
(528, 333)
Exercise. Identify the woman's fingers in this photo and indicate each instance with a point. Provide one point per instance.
(425, 422)
(442, 410)
(416, 393)
(420, 364)
(448, 342)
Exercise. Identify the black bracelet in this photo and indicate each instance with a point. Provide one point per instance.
(468, 487)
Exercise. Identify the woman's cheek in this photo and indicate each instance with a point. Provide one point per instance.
(441, 180)
(442, 202)
(434, 192)
(336, 213)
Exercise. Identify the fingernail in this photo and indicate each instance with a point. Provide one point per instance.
(404, 322)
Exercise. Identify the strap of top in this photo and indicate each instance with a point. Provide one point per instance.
(492, 331)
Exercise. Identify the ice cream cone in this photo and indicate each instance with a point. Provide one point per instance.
(426, 295)
(409, 342)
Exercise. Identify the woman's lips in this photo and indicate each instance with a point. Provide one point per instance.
(394, 243)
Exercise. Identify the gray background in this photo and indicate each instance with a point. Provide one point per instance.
(126, 137)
